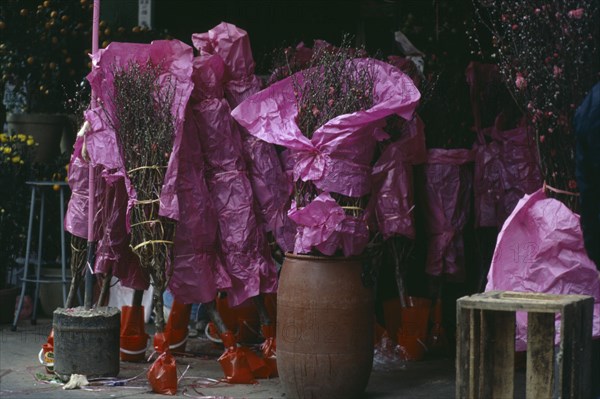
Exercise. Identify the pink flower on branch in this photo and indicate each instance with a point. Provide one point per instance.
(576, 13)
(520, 81)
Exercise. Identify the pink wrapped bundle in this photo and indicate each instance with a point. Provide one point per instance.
(198, 272)
(176, 59)
(266, 176)
(447, 196)
(245, 251)
(540, 249)
(337, 158)
(76, 217)
(392, 201)
(113, 253)
(505, 170)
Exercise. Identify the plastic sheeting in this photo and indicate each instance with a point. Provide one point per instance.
(337, 158)
(505, 170)
(447, 196)
(392, 202)
(266, 176)
(244, 249)
(540, 249)
(176, 59)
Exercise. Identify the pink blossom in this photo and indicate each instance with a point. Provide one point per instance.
(537, 11)
(520, 81)
(576, 13)
(557, 71)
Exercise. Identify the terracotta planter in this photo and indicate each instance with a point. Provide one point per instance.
(46, 129)
(324, 327)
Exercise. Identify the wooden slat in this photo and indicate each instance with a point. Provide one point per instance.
(576, 345)
(540, 355)
(586, 318)
(500, 354)
(527, 301)
(463, 330)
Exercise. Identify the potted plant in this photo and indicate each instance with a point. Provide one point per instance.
(16, 155)
(329, 119)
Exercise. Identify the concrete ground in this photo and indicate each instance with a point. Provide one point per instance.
(21, 375)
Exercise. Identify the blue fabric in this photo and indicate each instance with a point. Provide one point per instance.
(587, 129)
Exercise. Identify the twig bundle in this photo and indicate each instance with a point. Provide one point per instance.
(332, 85)
(145, 126)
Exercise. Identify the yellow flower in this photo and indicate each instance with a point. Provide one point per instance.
(3, 138)
(30, 142)
(16, 159)
(22, 137)
(7, 150)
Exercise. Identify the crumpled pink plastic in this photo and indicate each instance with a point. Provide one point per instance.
(447, 196)
(76, 216)
(316, 222)
(540, 249)
(505, 170)
(113, 253)
(176, 59)
(332, 158)
(245, 251)
(198, 270)
(392, 201)
(337, 158)
(266, 176)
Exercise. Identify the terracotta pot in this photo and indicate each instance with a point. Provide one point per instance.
(324, 327)
(46, 129)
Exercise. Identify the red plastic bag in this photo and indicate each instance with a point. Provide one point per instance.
(234, 362)
(163, 375)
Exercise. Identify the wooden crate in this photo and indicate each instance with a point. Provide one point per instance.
(485, 345)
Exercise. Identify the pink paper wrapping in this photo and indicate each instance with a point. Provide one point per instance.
(176, 58)
(76, 217)
(198, 270)
(337, 158)
(329, 159)
(505, 170)
(113, 253)
(266, 176)
(447, 196)
(540, 249)
(392, 200)
(245, 251)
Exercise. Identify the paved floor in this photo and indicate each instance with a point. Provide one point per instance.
(21, 375)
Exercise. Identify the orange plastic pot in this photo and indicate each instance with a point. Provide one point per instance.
(133, 339)
(324, 327)
(412, 334)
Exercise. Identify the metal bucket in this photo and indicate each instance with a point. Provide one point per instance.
(86, 341)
